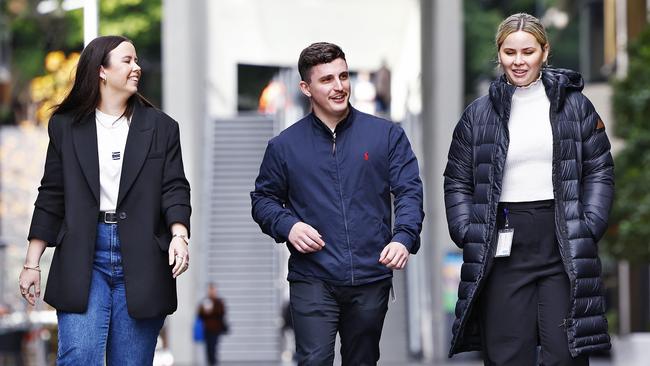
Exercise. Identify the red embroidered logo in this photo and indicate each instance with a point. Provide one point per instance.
(366, 156)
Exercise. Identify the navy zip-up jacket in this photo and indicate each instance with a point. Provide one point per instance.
(341, 183)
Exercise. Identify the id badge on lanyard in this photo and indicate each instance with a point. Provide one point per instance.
(504, 242)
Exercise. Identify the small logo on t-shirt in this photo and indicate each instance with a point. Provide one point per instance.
(366, 156)
(116, 155)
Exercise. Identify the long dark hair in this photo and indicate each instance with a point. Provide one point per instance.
(84, 95)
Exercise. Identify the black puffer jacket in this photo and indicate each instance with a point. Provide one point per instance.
(583, 187)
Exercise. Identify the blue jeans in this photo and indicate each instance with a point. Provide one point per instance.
(106, 331)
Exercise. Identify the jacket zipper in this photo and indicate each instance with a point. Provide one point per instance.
(489, 255)
(345, 219)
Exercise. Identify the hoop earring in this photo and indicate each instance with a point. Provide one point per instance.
(104, 81)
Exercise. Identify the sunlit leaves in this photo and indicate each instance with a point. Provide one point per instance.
(49, 90)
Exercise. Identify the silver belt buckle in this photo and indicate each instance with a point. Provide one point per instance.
(107, 221)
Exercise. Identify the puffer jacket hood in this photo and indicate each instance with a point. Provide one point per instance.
(566, 78)
(583, 186)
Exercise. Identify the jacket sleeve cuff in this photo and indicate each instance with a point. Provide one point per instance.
(180, 214)
(404, 239)
(44, 226)
(284, 227)
(45, 234)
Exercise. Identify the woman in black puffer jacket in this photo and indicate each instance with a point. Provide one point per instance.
(533, 157)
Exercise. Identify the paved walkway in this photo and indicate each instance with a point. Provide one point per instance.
(593, 362)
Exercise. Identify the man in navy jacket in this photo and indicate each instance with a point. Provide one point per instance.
(324, 188)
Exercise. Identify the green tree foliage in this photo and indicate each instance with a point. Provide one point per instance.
(480, 52)
(140, 21)
(565, 44)
(34, 35)
(508, 7)
(632, 94)
(629, 230)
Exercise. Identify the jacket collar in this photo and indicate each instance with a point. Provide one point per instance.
(344, 124)
(84, 139)
(501, 95)
(557, 83)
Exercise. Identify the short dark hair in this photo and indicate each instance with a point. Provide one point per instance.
(316, 54)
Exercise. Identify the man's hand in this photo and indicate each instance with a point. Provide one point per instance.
(394, 256)
(305, 238)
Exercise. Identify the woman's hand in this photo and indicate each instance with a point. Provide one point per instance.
(29, 280)
(179, 256)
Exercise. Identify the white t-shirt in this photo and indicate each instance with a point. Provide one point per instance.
(112, 132)
(528, 171)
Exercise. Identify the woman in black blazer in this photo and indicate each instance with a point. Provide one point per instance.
(115, 204)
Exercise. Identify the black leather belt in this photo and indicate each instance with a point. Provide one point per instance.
(108, 217)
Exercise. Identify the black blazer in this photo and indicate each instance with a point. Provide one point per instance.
(153, 194)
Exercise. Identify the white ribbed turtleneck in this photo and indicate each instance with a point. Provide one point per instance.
(528, 170)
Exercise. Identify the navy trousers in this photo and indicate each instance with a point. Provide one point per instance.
(320, 310)
(212, 348)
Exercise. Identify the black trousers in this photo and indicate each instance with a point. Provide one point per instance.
(319, 310)
(526, 295)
